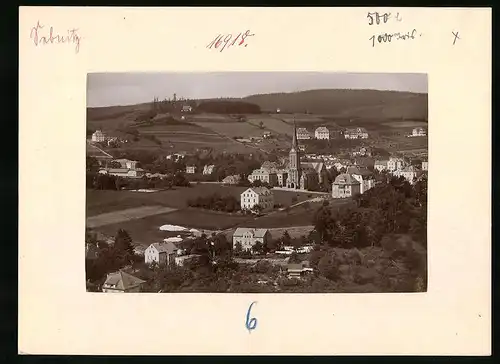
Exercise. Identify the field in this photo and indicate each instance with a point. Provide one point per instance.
(272, 124)
(103, 201)
(126, 215)
(141, 214)
(233, 129)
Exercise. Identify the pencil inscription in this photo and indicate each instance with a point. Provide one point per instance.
(40, 35)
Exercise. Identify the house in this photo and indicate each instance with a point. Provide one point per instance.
(267, 135)
(257, 196)
(186, 108)
(161, 253)
(395, 163)
(425, 165)
(190, 169)
(356, 133)
(123, 172)
(380, 165)
(339, 164)
(264, 175)
(298, 270)
(322, 133)
(363, 176)
(362, 152)
(208, 169)
(282, 175)
(176, 156)
(248, 237)
(409, 173)
(98, 136)
(303, 134)
(232, 180)
(418, 131)
(122, 282)
(345, 186)
(126, 163)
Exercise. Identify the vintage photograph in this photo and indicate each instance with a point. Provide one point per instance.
(249, 182)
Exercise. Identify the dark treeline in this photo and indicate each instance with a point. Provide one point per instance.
(216, 202)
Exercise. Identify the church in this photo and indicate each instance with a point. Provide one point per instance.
(302, 176)
(291, 173)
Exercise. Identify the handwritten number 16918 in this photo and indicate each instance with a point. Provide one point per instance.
(225, 41)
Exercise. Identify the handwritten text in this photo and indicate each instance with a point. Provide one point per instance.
(224, 41)
(41, 36)
(377, 19)
(389, 37)
(251, 323)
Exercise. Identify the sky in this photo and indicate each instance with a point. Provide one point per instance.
(110, 89)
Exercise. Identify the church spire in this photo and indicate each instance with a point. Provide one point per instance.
(294, 140)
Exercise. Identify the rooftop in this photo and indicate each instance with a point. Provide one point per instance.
(122, 280)
(256, 233)
(345, 179)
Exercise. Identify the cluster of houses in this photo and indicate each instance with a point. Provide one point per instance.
(324, 133)
(124, 168)
(357, 180)
(417, 132)
(99, 137)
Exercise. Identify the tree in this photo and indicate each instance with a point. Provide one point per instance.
(115, 164)
(327, 268)
(123, 245)
(92, 165)
(324, 223)
(286, 240)
(238, 248)
(261, 125)
(258, 248)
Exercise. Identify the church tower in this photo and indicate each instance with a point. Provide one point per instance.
(294, 165)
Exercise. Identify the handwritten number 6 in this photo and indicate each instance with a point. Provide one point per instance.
(251, 324)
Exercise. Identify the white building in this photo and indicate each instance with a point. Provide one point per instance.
(425, 165)
(419, 131)
(248, 237)
(380, 165)
(322, 133)
(363, 176)
(345, 186)
(394, 164)
(303, 134)
(257, 196)
(127, 169)
(208, 169)
(264, 175)
(410, 173)
(186, 108)
(161, 253)
(98, 136)
(357, 133)
(190, 169)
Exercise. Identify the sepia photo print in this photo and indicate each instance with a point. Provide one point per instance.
(272, 182)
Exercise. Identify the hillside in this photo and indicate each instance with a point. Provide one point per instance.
(364, 104)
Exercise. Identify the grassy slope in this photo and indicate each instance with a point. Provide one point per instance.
(370, 104)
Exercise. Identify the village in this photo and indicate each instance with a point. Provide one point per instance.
(344, 178)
